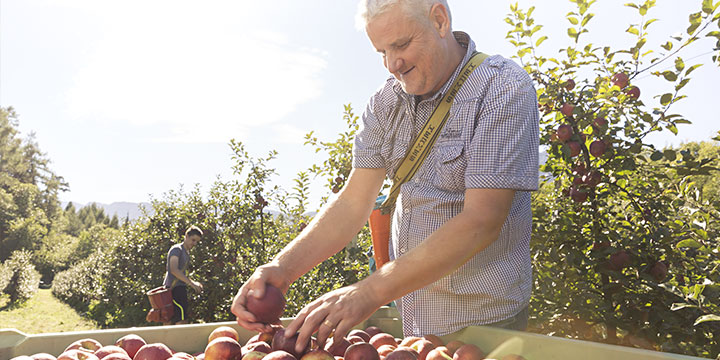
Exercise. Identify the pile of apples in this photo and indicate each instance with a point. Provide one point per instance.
(128, 347)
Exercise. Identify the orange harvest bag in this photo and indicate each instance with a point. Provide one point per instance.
(380, 233)
(162, 306)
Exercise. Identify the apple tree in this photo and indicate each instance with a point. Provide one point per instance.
(625, 246)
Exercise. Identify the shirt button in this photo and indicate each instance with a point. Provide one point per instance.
(406, 211)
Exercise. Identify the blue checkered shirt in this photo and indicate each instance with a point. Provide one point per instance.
(489, 141)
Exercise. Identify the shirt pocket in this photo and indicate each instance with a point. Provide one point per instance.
(450, 165)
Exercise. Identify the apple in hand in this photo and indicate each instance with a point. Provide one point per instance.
(269, 307)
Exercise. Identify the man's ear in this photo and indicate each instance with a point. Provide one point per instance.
(440, 19)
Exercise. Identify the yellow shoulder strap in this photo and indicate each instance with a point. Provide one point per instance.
(429, 133)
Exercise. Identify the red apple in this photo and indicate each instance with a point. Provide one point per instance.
(423, 347)
(280, 342)
(279, 355)
(438, 353)
(409, 340)
(90, 345)
(337, 348)
(117, 356)
(452, 346)
(574, 148)
(43, 356)
(592, 179)
(567, 109)
(153, 351)
(182, 356)
(77, 354)
(620, 80)
(402, 354)
(570, 84)
(372, 331)
(434, 339)
(597, 148)
(254, 355)
(385, 350)
(131, 343)
(600, 122)
(659, 271)
(578, 195)
(361, 351)
(355, 339)
(22, 357)
(257, 346)
(109, 349)
(564, 132)
(633, 92)
(318, 354)
(223, 348)
(269, 308)
(468, 352)
(382, 339)
(361, 333)
(619, 260)
(223, 331)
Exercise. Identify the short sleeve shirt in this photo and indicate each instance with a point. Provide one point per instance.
(183, 259)
(490, 140)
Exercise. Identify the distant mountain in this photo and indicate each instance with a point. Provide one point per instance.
(121, 209)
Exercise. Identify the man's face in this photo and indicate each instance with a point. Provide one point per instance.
(410, 51)
(191, 241)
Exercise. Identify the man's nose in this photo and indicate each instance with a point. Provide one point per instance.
(393, 63)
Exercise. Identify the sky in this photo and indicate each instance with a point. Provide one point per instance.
(130, 99)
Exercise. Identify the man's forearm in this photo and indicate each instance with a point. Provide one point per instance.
(334, 226)
(181, 277)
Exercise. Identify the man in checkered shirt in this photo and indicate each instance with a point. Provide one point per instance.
(461, 226)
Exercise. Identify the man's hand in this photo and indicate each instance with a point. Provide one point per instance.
(255, 286)
(196, 285)
(338, 310)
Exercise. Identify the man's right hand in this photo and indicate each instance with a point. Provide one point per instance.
(196, 285)
(255, 286)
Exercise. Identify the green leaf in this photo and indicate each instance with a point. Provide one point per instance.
(707, 6)
(631, 5)
(572, 33)
(643, 10)
(573, 20)
(670, 154)
(689, 243)
(587, 18)
(678, 306)
(540, 40)
(632, 30)
(667, 46)
(715, 34)
(679, 64)
(672, 128)
(647, 23)
(695, 20)
(705, 318)
(657, 155)
(669, 75)
(682, 84)
(665, 99)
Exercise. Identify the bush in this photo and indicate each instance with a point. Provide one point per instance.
(80, 285)
(18, 277)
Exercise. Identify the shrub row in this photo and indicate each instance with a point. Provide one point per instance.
(18, 277)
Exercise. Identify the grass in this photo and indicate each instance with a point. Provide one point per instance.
(42, 314)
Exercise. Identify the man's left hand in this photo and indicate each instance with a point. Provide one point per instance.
(337, 311)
